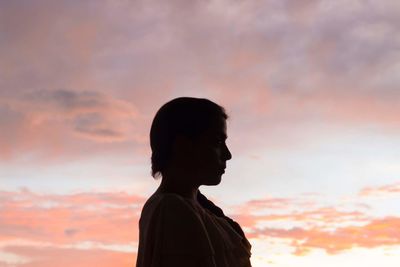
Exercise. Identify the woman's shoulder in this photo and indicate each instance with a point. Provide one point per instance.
(166, 200)
(178, 224)
(169, 205)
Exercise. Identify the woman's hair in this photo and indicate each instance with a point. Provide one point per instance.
(185, 116)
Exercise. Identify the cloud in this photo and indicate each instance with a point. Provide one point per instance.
(31, 222)
(58, 121)
(283, 45)
(66, 219)
(302, 212)
(68, 257)
(390, 190)
(305, 224)
(377, 233)
(93, 114)
(278, 65)
(68, 230)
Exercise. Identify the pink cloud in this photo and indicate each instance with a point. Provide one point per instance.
(63, 121)
(70, 218)
(68, 257)
(283, 72)
(62, 221)
(325, 217)
(45, 229)
(309, 226)
(389, 190)
(377, 233)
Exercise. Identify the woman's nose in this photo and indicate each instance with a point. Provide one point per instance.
(228, 154)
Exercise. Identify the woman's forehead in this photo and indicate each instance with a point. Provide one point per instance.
(218, 128)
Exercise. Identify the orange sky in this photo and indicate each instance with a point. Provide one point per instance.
(101, 226)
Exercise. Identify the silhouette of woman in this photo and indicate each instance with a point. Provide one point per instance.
(179, 226)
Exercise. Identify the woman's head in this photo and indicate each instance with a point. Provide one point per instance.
(198, 120)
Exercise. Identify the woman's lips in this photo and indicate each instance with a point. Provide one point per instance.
(222, 169)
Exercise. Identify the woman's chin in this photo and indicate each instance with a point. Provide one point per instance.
(215, 180)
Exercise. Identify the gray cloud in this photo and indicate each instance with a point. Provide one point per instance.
(297, 45)
(67, 99)
(71, 231)
(95, 124)
(59, 120)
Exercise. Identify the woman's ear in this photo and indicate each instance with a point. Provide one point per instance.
(182, 146)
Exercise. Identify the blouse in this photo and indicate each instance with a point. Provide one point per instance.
(179, 232)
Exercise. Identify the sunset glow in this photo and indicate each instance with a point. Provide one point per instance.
(311, 88)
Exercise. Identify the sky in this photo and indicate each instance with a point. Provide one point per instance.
(311, 88)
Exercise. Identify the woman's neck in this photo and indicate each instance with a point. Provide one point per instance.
(171, 185)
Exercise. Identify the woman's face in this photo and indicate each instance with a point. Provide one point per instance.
(211, 154)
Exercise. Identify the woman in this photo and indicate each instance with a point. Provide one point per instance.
(179, 226)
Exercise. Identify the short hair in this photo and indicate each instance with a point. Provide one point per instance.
(186, 116)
